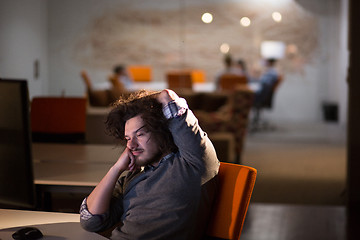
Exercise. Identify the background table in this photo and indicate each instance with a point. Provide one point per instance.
(76, 153)
(77, 165)
(70, 168)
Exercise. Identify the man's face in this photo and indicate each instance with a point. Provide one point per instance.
(141, 142)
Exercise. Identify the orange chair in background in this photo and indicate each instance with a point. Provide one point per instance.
(236, 183)
(58, 119)
(179, 80)
(184, 79)
(232, 81)
(198, 76)
(140, 73)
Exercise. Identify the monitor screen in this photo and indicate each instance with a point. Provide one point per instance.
(17, 189)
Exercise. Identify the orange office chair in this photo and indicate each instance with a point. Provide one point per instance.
(231, 81)
(140, 73)
(58, 119)
(236, 186)
(179, 80)
(198, 76)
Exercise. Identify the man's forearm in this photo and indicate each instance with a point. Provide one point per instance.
(98, 201)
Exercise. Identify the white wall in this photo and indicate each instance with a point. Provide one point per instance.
(68, 20)
(23, 40)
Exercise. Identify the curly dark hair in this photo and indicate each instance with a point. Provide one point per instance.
(142, 103)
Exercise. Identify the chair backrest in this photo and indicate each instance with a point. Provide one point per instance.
(236, 186)
(179, 80)
(278, 82)
(97, 97)
(198, 76)
(86, 79)
(231, 81)
(140, 73)
(268, 101)
(118, 88)
(58, 119)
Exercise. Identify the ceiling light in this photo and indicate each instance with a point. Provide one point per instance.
(276, 16)
(207, 17)
(245, 21)
(224, 48)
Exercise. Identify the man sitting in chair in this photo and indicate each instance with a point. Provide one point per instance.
(121, 75)
(120, 82)
(267, 81)
(163, 184)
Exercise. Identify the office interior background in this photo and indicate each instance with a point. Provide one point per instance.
(61, 38)
(49, 42)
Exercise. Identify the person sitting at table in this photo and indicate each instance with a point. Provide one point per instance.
(264, 93)
(266, 82)
(241, 69)
(229, 68)
(120, 81)
(163, 184)
(237, 69)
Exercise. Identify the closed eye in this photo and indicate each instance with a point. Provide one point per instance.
(140, 134)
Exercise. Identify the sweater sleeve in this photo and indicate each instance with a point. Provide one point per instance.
(100, 222)
(196, 149)
(89, 221)
(193, 143)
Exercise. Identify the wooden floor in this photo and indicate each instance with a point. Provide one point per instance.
(298, 164)
(300, 189)
(294, 222)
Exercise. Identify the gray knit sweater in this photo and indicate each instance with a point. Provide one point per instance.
(172, 201)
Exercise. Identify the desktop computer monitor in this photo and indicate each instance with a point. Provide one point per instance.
(17, 188)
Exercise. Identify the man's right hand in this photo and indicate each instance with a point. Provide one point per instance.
(126, 161)
(167, 96)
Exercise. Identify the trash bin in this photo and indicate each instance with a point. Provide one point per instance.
(330, 111)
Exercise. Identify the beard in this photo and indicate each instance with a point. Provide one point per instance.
(153, 159)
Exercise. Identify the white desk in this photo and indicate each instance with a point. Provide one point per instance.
(157, 86)
(52, 225)
(17, 218)
(197, 87)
